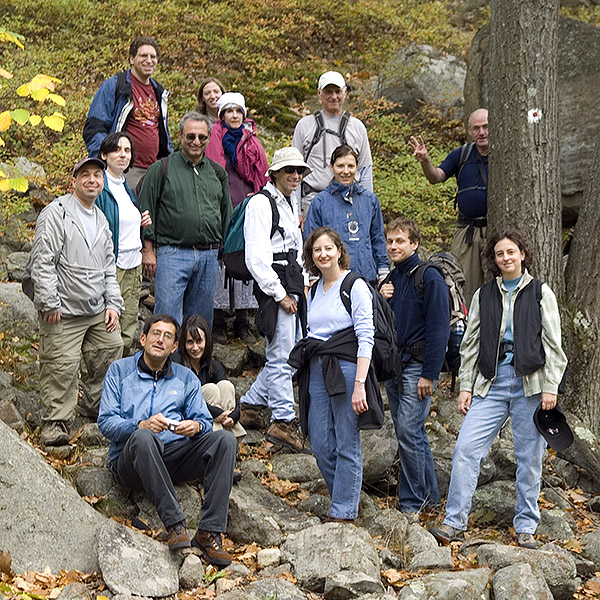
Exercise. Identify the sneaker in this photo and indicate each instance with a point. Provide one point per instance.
(241, 329)
(526, 540)
(251, 417)
(445, 534)
(210, 544)
(178, 536)
(54, 433)
(286, 434)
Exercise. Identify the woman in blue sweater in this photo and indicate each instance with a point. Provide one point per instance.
(355, 213)
(118, 204)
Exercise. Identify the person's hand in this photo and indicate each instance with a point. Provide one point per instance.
(548, 401)
(417, 145)
(148, 261)
(464, 402)
(156, 423)
(111, 318)
(146, 219)
(387, 290)
(188, 428)
(224, 419)
(53, 318)
(289, 305)
(424, 388)
(359, 398)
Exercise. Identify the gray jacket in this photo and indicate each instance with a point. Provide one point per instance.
(67, 274)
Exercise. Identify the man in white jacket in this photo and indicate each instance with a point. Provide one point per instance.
(75, 290)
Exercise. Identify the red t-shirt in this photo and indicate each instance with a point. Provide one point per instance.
(142, 125)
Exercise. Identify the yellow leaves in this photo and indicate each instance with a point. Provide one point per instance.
(20, 115)
(56, 122)
(9, 36)
(4, 73)
(35, 120)
(57, 99)
(39, 87)
(18, 184)
(5, 120)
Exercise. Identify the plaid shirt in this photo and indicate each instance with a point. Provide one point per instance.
(546, 378)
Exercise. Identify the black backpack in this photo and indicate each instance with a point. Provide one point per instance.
(451, 270)
(320, 130)
(384, 350)
(465, 152)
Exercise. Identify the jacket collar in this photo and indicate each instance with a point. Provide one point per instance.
(525, 279)
(166, 371)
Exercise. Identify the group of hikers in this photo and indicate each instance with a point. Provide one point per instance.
(315, 256)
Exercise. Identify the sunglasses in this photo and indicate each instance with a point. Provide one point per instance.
(290, 170)
(190, 137)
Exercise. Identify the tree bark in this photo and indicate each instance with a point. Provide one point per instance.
(524, 182)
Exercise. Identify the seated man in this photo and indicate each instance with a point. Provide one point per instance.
(161, 435)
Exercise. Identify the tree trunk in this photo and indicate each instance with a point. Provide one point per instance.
(582, 323)
(524, 183)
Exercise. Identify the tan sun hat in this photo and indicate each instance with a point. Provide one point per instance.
(288, 157)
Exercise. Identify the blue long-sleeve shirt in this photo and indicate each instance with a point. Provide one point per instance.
(419, 319)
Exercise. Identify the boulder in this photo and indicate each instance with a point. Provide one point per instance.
(75, 591)
(420, 73)
(379, 448)
(133, 563)
(521, 581)
(350, 584)
(578, 82)
(495, 502)
(584, 567)
(264, 589)
(557, 524)
(191, 573)
(591, 547)
(445, 585)
(390, 528)
(10, 415)
(18, 316)
(419, 540)
(45, 522)
(296, 467)
(233, 357)
(321, 551)
(188, 497)
(268, 557)
(434, 558)
(15, 265)
(558, 570)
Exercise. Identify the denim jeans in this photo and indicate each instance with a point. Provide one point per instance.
(417, 484)
(185, 282)
(273, 386)
(335, 440)
(481, 425)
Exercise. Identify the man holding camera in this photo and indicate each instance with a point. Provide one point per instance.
(161, 435)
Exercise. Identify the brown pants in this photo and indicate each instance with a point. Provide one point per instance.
(469, 256)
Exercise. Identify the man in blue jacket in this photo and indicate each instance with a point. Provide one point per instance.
(423, 328)
(134, 102)
(161, 435)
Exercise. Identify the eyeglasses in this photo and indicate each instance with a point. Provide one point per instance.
(290, 170)
(156, 333)
(190, 137)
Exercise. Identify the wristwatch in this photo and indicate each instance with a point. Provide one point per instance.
(359, 380)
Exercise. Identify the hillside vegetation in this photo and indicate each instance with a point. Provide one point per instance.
(271, 50)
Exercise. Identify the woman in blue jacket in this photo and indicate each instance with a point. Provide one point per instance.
(117, 202)
(355, 213)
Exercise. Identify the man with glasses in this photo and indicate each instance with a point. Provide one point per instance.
(187, 195)
(161, 435)
(134, 102)
(319, 134)
(274, 260)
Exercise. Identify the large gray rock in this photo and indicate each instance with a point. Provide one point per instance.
(265, 589)
(296, 467)
(521, 581)
(233, 356)
(389, 527)
(350, 584)
(44, 521)
(578, 91)
(419, 540)
(133, 563)
(379, 448)
(257, 514)
(191, 572)
(15, 265)
(18, 316)
(591, 546)
(445, 585)
(558, 570)
(557, 524)
(435, 558)
(188, 497)
(420, 73)
(495, 502)
(321, 551)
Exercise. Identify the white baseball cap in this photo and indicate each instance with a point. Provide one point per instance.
(331, 78)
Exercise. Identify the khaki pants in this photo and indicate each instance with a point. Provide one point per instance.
(222, 394)
(61, 348)
(469, 256)
(130, 281)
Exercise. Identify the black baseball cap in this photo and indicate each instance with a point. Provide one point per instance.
(552, 424)
(87, 160)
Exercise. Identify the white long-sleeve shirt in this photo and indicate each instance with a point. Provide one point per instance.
(260, 247)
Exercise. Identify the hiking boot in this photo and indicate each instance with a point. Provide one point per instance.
(54, 433)
(286, 434)
(445, 534)
(241, 330)
(210, 544)
(219, 328)
(251, 417)
(526, 540)
(178, 536)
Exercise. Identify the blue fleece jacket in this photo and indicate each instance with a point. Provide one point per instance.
(419, 319)
(339, 204)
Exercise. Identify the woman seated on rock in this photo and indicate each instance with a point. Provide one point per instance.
(209, 93)
(195, 352)
(333, 363)
(355, 213)
(512, 360)
(234, 145)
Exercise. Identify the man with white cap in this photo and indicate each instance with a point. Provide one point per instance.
(279, 288)
(319, 134)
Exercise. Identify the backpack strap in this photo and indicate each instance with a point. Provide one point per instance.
(346, 288)
(343, 124)
(320, 130)
(275, 226)
(418, 274)
(121, 82)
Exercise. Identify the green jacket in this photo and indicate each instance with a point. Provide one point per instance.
(194, 207)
